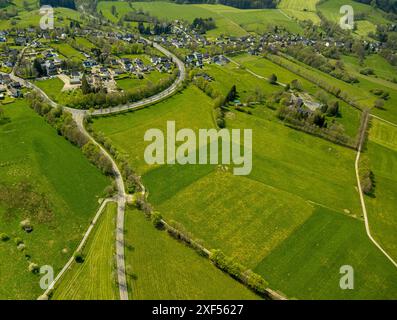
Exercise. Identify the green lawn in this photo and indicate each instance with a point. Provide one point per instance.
(382, 151)
(159, 267)
(52, 87)
(131, 83)
(95, 278)
(46, 179)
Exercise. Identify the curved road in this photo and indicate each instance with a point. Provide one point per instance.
(78, 116)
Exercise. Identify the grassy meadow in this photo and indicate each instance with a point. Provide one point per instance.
(95, 278)
(298, 182)
(307, 264)
(230, 21)
(382, 152)
(33, 162)
(159, 267)
(331, 10)
(300, 9)
(31, 18)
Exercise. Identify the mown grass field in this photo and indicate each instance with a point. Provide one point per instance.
(159, 267)
(382, 152)
(298, 182)
(300, 9)
(33, 163)
(95, 278)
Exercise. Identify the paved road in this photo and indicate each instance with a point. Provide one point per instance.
(78, 116)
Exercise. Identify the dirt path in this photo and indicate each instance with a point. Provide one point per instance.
(362, 198)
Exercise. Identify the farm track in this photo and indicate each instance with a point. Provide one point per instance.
(78, 116)
(362, 198)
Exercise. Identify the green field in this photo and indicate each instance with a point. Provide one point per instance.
(300, 9)
(350, 117)
(131, 83)
(95, 278)
(33, 163)
(298, 182)
(31, 18)
(159, 267)
(52, 87)
(67, 51)
(307, 264)
(330, 9)
(230, 21)
(377, 63)
(382, 151)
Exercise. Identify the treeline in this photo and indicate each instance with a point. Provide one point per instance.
(229, 265)
(4, 3)
(131, 179)
(316, 60)
(385, 5)
(241, 4)
(65, 125)
(59, 3)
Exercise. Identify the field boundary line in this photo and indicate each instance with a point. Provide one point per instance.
(362, 199)
(384, 120)
(284, 14)
(81, 245)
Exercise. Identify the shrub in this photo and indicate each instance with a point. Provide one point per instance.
(78, 257)
(18, 241)
(34, 268)
(157, 220)
(26, 226)
(4, 237)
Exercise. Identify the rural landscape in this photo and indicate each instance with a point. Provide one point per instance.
(271, 126)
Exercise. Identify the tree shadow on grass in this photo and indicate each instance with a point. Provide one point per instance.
(4, 121)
